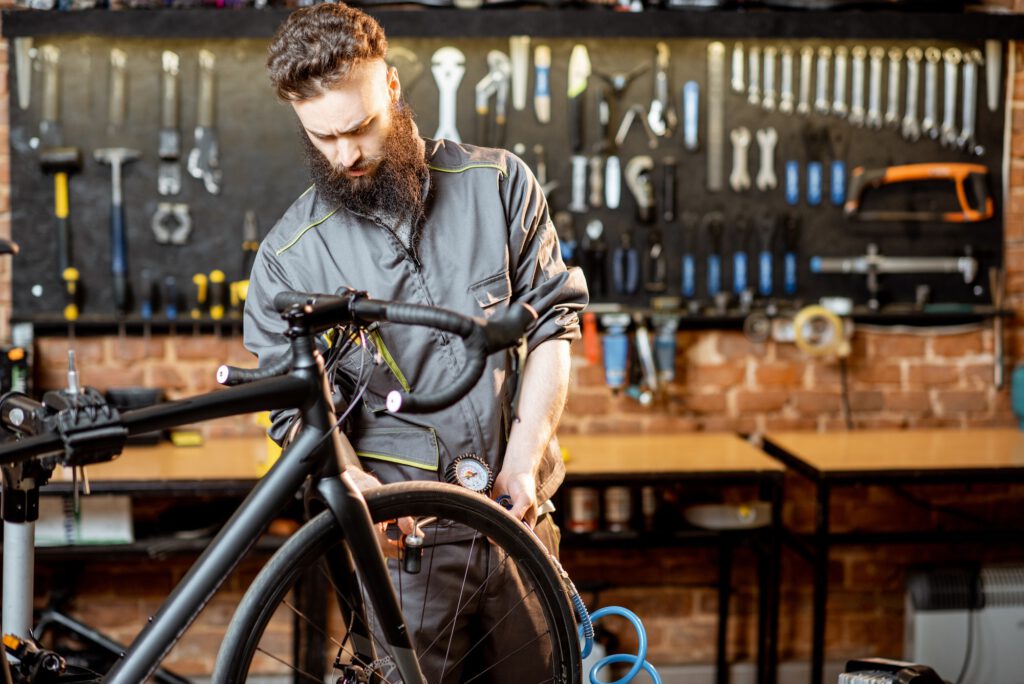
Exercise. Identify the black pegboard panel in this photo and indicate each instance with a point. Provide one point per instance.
(263, 170)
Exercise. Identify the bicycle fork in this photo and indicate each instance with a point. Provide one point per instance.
(349, 509)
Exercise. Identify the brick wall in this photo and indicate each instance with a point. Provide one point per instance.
(725, 383)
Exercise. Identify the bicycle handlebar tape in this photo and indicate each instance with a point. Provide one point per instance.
(231, 375)
(503, 331)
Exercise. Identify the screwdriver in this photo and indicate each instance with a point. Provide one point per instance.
(202, 283)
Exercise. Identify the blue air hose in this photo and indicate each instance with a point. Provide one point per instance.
(639, 660)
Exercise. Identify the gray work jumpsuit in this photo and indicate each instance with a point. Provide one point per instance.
(487, 241)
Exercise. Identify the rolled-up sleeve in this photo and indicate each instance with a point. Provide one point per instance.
(539, 276)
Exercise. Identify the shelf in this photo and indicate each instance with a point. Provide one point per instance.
(538, 23)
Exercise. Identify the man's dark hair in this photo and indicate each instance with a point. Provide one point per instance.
(316, 46)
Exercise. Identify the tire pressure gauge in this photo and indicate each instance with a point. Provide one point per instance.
(472, 472)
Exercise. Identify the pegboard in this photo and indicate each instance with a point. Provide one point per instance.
(264, 172)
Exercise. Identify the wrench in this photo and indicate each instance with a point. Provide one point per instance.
(716, 115)
(874, 117)
(662, 116)
(952, 58)
(754, 74)
(118, 89)
(168, 179)
(966, 141)
(859, 53)
(738, 84)
(171, 223)
(911, 128)
(839, 106)
(786, 97)
(892, 110)
(740, 177)
(821, 101)
(448, 66)
(204, 158)
(806, 57)
(769, 79)
(766, 139)
(930, 123)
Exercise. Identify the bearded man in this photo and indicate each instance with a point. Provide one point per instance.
(427, 222)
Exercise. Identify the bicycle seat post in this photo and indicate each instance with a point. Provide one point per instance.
(20, 512)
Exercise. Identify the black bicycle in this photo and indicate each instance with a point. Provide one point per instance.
(341, 546)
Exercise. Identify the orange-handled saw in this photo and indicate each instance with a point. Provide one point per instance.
(959, 174)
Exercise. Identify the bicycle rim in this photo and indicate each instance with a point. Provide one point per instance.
(506, 607)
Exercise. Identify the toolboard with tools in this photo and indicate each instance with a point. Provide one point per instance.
(724, 175)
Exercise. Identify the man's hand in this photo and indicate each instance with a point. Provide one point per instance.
(521, 486)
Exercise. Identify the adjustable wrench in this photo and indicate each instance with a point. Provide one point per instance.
(966, 141)
(952, 58)
(204, 158)
(738, 84)
(168, 180)
(754, 75)
(859, 53)
(496, 83)
(874, 117)
(786, 97)
(662, 116)
(930, 123)
(839, 106)
(821, 101)
(448, 66)
(766, 139)
(740, 177)
(770, 95)
(892, 110)
(806, 59)
(911, 128)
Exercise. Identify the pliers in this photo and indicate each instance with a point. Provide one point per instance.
(496, 84)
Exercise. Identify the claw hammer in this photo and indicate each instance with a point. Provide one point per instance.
(117, 157)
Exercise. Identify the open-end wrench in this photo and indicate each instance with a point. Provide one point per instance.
(966, 141)
(839, 106)
(168, 179)
(892, 109)
(766, 139)
(204, 158)
(858, 54)
(806, 59)
(952, 58)
(118, 89)
(822, 105)
(172, 223)
(662, 115)
(786, 96)
(911, 128)
(930, 123)
(739, 179)
(770, 95)
(874, 116)
(754, 75)
(448, 66)
(716, 115)
(738, 83)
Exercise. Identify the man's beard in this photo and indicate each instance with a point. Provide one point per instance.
(394, 186)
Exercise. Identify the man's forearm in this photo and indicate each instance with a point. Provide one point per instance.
(545, 386)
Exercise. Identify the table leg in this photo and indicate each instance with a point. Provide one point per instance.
(724, 592)
(821, 544)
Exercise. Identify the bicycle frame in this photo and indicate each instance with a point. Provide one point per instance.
(309, 455)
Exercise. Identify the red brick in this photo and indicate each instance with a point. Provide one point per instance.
(813, 403)
(131, 349)
(588, 376)
(957, 401)
(897, 346)
(54, 351)
(167, 376)
(932, 375)
(780, 424)
(205, 347)
(982, 375)
(911, 400)
(866, 400)
(723, 375)
(762, 401)
(963, 344)
(734, 345)
(704, 403)
(779, 374)
(670, 424)
(877, 373)
(1013, 231)
(1017, 175)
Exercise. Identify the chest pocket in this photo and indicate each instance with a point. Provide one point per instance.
(382, 378)
(492, 291)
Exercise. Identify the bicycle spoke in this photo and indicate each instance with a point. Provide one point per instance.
(496, 625)
(507, 656)
(458, 605)
(288, 665)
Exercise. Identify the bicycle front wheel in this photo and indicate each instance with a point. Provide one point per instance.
(487, 604)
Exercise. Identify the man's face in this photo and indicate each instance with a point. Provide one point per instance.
(361, 143)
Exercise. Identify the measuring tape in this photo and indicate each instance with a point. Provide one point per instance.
(819, 332)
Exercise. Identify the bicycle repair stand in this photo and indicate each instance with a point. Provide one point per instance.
(91, 432)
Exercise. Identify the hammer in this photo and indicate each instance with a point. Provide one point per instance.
(62, 162)
(117, 157)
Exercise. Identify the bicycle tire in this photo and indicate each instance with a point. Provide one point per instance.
(321, 535)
